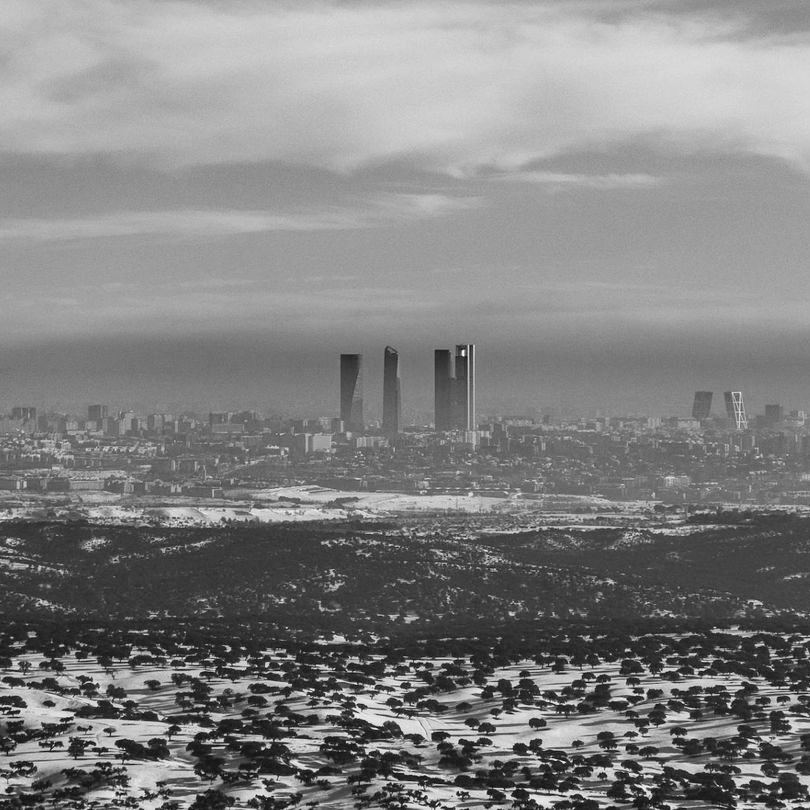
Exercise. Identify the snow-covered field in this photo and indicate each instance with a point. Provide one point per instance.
(329, 728)
(396, 502)
(312, 503)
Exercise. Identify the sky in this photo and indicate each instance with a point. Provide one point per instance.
(202, 203)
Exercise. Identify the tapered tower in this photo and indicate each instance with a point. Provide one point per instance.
(392, 394)
(351, 391)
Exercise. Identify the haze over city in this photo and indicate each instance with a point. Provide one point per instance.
(202, 203)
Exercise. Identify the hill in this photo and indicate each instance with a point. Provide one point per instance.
(338, 574)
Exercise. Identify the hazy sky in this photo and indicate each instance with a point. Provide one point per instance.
(204, 202)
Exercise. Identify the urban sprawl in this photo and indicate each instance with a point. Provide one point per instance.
(704, 457)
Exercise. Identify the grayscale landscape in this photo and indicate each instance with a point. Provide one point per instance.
(404, 405)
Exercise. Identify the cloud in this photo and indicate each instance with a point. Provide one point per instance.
(594, 181)
(382, 210)
(450, 87)
(542, 310)
(261, 306)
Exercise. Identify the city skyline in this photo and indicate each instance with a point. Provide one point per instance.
(611, 197)
(454, 400)
(351, 385)
(455, 409)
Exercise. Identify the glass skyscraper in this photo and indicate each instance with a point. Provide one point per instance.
(464, 387)
(702, 406)
(454, 388)
(443, 388)
(392, 394)
(351, 391)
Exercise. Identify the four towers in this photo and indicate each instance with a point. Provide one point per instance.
(454, 390)
(454, 393)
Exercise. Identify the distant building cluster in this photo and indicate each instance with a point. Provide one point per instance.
(454, 390)
(705, 457)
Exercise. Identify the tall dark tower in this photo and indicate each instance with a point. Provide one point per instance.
(774, 414)
(351, 391)
(392, 394)
(454, 383)
(464, 387)
(702, 406)
(443, 388)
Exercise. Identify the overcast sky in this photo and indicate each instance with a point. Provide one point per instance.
(204, 202)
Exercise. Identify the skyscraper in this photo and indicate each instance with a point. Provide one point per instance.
(454, 388)
(773, 415)
(702, 406)
(443, 388)
(351, 391)
(392, 394)
(97, 412)
(736, 409)
(464, 387)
